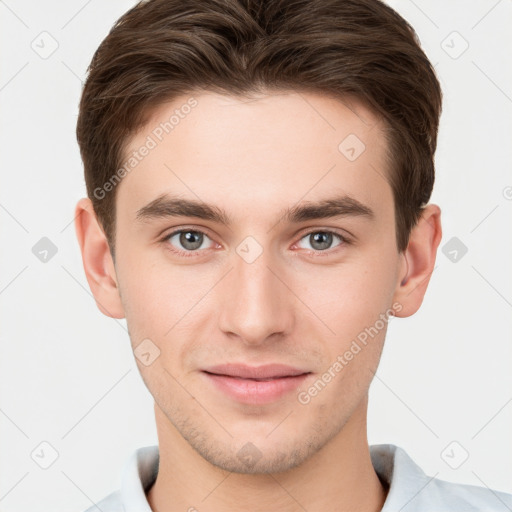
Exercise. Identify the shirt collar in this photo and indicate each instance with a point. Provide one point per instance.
(405, 479)
(139, 475)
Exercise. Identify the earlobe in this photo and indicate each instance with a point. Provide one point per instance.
(420, 258)
(97, 260)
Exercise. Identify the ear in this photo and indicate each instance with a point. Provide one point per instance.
(98, 263)
(418, 261)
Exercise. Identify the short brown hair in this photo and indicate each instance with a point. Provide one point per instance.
(161, 49)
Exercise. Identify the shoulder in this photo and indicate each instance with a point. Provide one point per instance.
(470, 498)
(410, 489)
(139, 474)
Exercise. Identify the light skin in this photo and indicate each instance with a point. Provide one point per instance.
(298, 303)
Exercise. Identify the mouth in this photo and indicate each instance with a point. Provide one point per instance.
(255, 384)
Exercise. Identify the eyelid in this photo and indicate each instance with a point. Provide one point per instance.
(344, 235)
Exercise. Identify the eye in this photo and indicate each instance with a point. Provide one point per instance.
(322, 240)
(190, 242)
(187, 240)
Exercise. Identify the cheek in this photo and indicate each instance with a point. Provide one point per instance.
(159, 298)
(355, 305)
(149, 296)
(350, 297)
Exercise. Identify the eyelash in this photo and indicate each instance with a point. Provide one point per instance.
(190, 254)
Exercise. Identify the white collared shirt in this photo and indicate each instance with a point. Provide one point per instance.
(409, 488)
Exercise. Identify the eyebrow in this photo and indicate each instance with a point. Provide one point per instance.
(166, 206)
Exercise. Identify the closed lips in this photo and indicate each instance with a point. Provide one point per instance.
(260, 373)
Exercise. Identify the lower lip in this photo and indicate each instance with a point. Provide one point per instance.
(256, 391)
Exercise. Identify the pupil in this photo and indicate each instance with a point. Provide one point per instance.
(321, 240)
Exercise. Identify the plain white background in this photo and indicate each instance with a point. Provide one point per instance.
(68, 377)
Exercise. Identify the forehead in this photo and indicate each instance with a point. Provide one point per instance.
(257, 151)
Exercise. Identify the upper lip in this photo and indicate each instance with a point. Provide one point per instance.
(255, 372)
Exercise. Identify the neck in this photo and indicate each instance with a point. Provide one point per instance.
(338, 477)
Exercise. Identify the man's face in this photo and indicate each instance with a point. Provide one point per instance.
(266, 288)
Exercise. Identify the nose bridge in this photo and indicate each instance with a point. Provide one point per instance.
(255, 304)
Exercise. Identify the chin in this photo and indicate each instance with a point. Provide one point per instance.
(254, 455)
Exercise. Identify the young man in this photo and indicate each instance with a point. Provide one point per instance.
(258, 175)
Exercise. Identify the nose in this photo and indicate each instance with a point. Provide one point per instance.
(257, 305)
